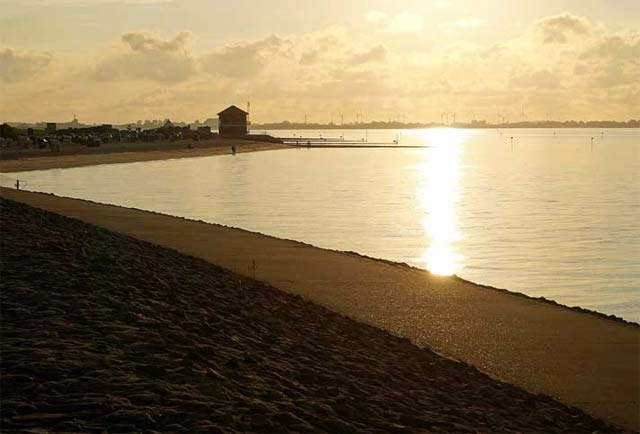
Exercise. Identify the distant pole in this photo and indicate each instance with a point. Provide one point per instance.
(17, 184)
(591, 144)
(511, 143)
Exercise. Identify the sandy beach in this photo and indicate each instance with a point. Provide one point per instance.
(105, 333)
(131, 152)
(582, 359)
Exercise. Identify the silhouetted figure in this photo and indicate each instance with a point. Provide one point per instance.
(233, 149)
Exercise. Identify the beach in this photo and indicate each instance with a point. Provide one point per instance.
(80, 156)
(105, 332)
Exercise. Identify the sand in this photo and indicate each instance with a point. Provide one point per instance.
(582, 359)
(131, 152)
(104, 333)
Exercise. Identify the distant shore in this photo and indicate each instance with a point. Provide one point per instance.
(129, 153)
(583, 359)
(105, 332)
(478, 125)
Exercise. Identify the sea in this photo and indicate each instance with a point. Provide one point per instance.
(552, 213)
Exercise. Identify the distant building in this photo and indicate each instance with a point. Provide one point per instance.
(204, 131)
(232, 122)
(52, 126)
(213, 123)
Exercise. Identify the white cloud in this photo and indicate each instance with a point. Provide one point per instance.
(462, 24)
(375, 16)
(469, 22)
(405, 22)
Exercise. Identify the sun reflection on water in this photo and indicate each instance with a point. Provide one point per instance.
(439, 193)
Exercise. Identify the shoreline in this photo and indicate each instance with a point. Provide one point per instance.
(541, 319)
(164, 342)
(540, 299)
(130, 153)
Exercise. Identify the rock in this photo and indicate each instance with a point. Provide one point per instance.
(337, 425)
(146, 398)
(136, 418)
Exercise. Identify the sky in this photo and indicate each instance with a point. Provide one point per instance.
(119, 61)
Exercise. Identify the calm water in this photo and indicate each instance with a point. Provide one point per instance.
(550, 215)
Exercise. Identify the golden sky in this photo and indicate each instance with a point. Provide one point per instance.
(122, 60)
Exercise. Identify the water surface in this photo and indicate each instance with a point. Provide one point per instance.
(549, 213)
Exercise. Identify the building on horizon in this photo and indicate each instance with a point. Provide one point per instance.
(232, 122)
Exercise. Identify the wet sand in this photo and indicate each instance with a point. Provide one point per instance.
(105, 333)
(586, 360)
(132, 152)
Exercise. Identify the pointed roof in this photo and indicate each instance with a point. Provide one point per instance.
(232, 109)
(168, 124)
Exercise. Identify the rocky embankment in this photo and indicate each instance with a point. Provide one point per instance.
(101, 332)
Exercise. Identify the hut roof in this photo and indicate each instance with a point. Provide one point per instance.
(232, 109)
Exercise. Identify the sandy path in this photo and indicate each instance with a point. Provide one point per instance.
(129, 154)
(582, 359)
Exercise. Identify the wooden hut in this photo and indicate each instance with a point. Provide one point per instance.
(232, 122)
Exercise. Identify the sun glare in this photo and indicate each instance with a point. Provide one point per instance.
(439, 195)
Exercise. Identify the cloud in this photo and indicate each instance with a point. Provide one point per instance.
(146, 42)
(615, 46)
(541, 79)
(244, 60)
(403, 22)
(565, 64)
(611, 61)
(616, 74)
(310, 57)
(465, 23)
(559, 29)
(375, 54)
(147, 57)
(317, 46)
(375, 16)
(94, 2)
(17, 66)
